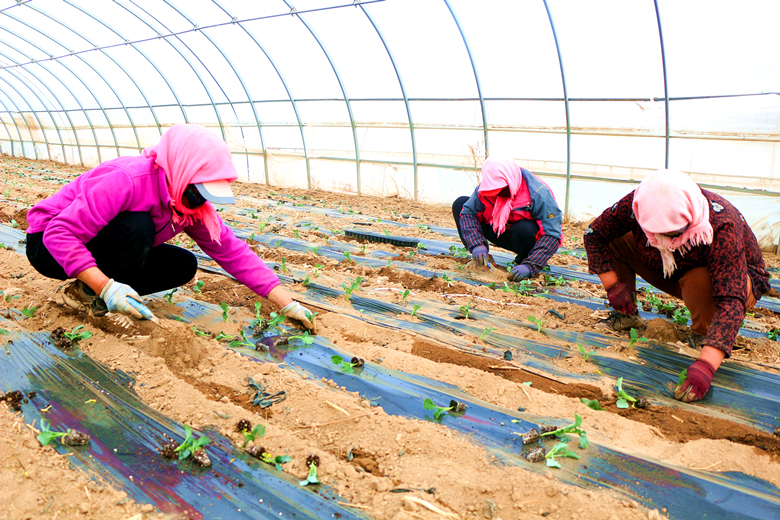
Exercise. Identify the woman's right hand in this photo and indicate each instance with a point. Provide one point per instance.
(480, 255)
(122, 298)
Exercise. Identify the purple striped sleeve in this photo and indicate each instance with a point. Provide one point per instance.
(472, 231)
(543, 250)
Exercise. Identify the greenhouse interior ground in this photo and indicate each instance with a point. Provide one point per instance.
(353, 126)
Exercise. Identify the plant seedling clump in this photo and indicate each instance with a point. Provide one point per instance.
(623, 397)
(347, 366)
(14, 398)
(439, 411)
(531, 436)
(191, 448)
(313, 462)
(572, 428)
(68, 438)
(259, 453)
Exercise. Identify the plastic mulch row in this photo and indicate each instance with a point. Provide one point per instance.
(361, 234)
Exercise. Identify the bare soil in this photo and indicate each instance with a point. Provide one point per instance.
(389, 451)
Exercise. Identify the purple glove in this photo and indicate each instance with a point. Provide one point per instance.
(622, 299)
(519, 272)
(480, 254)
(697, 382)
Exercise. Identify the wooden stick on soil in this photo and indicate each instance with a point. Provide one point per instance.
(432, 507)
(340, 409)
(339, 421)
(352, 505)
(707, 467)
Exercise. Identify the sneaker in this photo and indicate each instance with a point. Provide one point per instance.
(619, 322)
(77, 295)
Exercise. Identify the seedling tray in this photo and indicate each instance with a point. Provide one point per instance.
(362, 234)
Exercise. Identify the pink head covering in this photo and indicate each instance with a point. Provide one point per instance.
(190, 154)
(667, 201)
(497, 174)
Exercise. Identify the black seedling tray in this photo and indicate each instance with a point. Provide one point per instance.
(381, 237)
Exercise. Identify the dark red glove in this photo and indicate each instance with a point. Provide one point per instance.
(697, 382)
(621, 298)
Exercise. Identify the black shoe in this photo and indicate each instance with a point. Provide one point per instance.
(619, 322)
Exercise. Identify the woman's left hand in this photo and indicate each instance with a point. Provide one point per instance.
(519, 272)
(296, 311)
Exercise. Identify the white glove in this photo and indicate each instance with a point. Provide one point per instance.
(296, 311)
(122, 298)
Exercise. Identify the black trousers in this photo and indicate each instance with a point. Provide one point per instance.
(123, 251)
(520, 238)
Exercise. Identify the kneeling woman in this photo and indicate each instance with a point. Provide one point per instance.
(691, 244)
(108, 228)
(512, 209)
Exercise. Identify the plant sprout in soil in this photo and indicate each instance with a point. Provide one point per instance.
(537, 321)
(624, 399)
(225, 309)
(68, 340)
(259, 453)
(573, 428)
(347, 366)
(68, 438)
(440, 411)
(313, 462)
(250, 434)
(189, 448)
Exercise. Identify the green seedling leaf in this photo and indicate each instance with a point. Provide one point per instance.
(257, 431)
(190, 444)
(198, 287)
(169, 296)
(585, 353)
(225, 309)
(414, 309)
(624, 399)
(593, 404)
(224, 337)
(48, 435)
(559, 450)
(3, 331)
(404, 295)
(312, 477)
(536, 321)
(29, 311)
(487, 331)
(243, 342)
(683, 375)
(306, 338)
(465, 309)
(75, 335)
(199, 332)
(573, 428)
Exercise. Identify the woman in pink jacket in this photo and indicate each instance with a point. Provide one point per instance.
(108, 228)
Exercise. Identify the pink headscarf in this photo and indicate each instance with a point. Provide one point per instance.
(667, 201)
(497, 174)
(189, 154)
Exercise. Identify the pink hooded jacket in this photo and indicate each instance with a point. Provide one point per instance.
(74, 215)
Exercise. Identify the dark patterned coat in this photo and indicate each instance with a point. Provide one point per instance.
(733, 253)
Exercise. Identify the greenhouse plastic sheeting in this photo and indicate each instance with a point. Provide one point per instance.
(126, 435)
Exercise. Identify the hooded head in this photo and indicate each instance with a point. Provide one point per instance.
(501, 182)
(192, 155)
(674, 214)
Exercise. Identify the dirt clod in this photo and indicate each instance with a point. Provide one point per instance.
(168, 450)
(59, 339)
(76, 438)
(661, 330)
(530, 436)
(244, 426)
(201, 458)
(536, 454)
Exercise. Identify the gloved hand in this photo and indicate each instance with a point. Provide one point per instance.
(519, 272)
(622, 299)
(122, 298)
(296, 311)
(697, 382)
(480, 254)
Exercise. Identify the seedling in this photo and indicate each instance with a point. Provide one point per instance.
(559, 450)
(404, 295)
(9, 297)
(414, 309)
(348, 255)
(681, 316)
(264, 456)
(199, 332)
(634, 337)
(315, 250)
(243, 342)
(312, 461)
(224, 337)
(487, 331)
(258, 318)
(249, 436)
(389, 263)
(306, 281)
(573, 428)
(537, 321)
(349, 289)
(47, 435)
(346, 366)
(387, 234)
(68, 438)
(306, 338)
(465, 309)
(198, 287)
(683, 375)
(446, 277)
(439, 411)
(623, 397)
(169, 296)
(190, 444)
(593, 404)
(363, 249)
(551, 280)
(75, 335)
(29, 311)
(317, 269)
(296, 234)
(225, 309)
(252, 237)
(585, 352)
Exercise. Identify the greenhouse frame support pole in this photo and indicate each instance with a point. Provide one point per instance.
(476, 77)
(403, 92)
(666, 83)
(566, 104)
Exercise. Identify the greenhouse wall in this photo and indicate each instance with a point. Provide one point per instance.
(406, 97)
